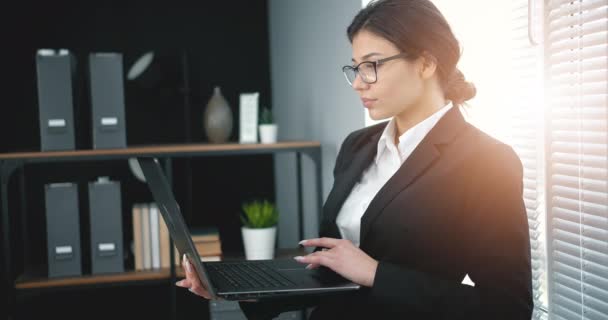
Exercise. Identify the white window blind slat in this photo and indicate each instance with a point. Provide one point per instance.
(590, 107)
(590, 208)
(588, 133)
(552, 4)
(582, 148)
(576, 49)
(579, 194)
(594, 185)
(567, 297)
(589, 76)
(595, 125)
(563, 312)
(574, 261)
(559, 35)
(572, 169)
(576, 240)
(582, 89)
(572, 289)
(580, 67)
(582, 16)
(590, 160)
(574, 272)
(575, 249)
(595, 46)
(560, 223)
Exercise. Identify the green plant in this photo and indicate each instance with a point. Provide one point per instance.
(266, 116)
(258, 214)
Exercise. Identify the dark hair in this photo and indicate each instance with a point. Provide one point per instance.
(418, 27)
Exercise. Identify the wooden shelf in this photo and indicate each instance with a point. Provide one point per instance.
(29, 282)
(163, 150)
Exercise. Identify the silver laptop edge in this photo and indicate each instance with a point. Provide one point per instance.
(161, 192)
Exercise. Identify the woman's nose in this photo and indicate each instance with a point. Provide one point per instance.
(359, 84)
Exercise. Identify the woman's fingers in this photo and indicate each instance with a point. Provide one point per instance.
(312, 266)
(190, 274)
(184, 283)
(321, 242)
(192, 282)
(200, 291)
(316, 258)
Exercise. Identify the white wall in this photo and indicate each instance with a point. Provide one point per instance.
(311, 100)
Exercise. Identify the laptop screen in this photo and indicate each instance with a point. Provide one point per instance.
(168, 207)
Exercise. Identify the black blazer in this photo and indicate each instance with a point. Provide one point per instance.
(453, 208)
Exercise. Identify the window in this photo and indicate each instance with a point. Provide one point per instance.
(577, 157)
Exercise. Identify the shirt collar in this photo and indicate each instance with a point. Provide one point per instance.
(411, 137)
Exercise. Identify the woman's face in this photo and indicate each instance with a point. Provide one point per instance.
(399, 83)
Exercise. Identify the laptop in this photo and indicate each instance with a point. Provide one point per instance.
(243, 279)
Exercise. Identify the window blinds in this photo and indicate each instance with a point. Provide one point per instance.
(577, 157)
(526, 137)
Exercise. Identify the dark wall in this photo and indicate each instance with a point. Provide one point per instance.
(196, 47)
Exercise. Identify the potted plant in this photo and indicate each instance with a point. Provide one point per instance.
(259, 229)
(268, 129)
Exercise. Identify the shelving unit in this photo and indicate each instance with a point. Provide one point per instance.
(10, 162)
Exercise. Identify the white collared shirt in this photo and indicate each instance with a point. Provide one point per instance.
(387, 161)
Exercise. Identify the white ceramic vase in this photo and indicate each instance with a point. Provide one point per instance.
(218, 118)
(259, 242)
(268, 133)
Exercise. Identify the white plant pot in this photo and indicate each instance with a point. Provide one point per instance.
(268, 133)
(259, 243)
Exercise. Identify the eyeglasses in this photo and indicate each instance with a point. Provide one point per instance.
(368, 70)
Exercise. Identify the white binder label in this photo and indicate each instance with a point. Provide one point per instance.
(109, 121)
(63, 250)
(57, 123)
(106, 247)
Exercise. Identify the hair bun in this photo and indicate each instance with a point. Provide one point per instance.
(459, 90)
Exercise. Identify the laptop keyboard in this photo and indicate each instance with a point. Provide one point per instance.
(250, 275)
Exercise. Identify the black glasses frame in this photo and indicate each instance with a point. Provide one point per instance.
(375, 64)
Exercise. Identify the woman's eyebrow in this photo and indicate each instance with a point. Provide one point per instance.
(367, 56)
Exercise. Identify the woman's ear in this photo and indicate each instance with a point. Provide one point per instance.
(428, 66)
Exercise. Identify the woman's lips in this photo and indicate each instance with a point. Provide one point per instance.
(368, 102)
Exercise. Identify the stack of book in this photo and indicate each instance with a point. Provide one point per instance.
(207, 243)
(151, 238)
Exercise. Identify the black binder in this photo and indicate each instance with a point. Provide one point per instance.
(63, 230)
(107, 100)
(55, 99)
(106, 226)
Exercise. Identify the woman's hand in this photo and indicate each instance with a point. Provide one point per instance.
(343, 257)
(192, 282)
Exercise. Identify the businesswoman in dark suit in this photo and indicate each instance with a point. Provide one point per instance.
(420, 202)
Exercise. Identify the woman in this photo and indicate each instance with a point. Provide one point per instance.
(426, 211)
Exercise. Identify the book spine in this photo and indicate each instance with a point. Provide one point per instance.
(208, 248)
(165, 260)
(137, 238)
(154, 236)
(145, 222)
